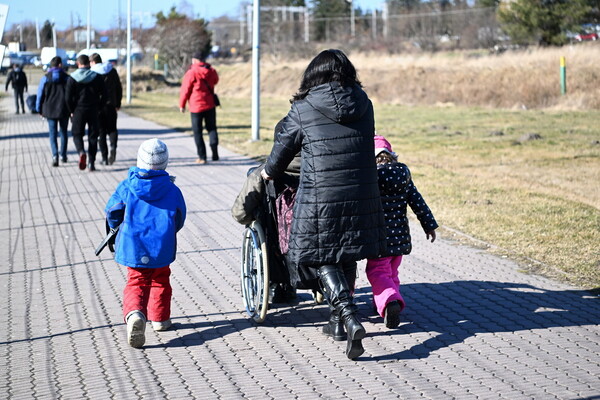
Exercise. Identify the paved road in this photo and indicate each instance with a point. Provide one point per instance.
(474, 327)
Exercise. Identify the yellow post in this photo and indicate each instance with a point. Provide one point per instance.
(563, 75)
(156, 61)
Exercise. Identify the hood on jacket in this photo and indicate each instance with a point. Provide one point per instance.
(200, 69)
(57, 74)
(102, 68)
(341, 104)
(83, 75)
(149, 184)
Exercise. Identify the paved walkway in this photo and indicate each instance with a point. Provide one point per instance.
(474, 327)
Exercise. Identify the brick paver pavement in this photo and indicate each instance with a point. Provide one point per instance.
(474, 327)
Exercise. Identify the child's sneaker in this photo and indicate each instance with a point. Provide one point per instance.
(392, 315)
(136, 325)
(161, 325)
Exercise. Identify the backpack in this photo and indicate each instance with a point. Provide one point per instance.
(285, 214)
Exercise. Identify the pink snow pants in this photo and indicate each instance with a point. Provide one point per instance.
(383, 276)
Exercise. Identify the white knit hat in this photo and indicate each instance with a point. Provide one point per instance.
(153, 154)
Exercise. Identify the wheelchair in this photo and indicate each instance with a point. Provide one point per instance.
(255, 272)
(262, 264)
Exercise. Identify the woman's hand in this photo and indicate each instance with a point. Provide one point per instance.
(432, 235)
(265, 176)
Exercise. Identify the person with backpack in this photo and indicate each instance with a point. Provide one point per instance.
(51, 104)
(108, 112)
(18, 80)
(198, 89)
(86, 94)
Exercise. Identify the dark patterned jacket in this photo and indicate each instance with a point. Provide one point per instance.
(397, 190)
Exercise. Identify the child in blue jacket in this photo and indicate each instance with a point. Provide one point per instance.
(150, 210)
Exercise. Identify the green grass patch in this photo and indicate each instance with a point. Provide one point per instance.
(524, 181)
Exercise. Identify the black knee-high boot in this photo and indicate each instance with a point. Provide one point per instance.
(335, 326)
(338, 294)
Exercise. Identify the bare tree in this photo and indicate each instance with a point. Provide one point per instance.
(178, 37)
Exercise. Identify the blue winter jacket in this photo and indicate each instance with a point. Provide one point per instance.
(151, 210)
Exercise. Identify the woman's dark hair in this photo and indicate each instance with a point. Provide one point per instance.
(328, 66)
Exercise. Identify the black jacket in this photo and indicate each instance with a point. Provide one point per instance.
(113, 88)
(397, 190)
(338, 215)
(86, 90)
(52, 101)
(17, 79)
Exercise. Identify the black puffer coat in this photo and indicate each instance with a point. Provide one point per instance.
(398, 191)
(338, 215)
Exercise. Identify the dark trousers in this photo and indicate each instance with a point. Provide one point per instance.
(108, 127)
(81, 118)
(19, 98)
(210, 123)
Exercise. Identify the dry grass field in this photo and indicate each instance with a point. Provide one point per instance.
(502, 158)
(522, 79)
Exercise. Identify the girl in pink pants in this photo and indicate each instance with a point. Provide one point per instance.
(397, 191)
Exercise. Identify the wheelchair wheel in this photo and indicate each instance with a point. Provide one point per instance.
(255, 272)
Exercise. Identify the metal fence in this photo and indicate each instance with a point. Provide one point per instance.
(463, 28)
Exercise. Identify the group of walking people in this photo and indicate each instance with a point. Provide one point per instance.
(351, 204)
(90, 97)
(352, 195)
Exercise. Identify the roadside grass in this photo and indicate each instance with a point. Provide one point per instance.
(484, 172)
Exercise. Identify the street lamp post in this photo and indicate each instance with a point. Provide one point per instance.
(128, 51)
(256, 71)
(89, 22)
(37, 32)
(352, 26)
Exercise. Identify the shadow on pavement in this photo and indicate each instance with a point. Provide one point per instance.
(461, 309)
(455, 310)
(34, 135)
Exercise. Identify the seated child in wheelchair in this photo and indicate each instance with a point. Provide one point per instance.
(257, 201)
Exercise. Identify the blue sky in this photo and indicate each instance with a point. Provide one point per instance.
(105, 13)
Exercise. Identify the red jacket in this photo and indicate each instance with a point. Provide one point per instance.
(198, 87)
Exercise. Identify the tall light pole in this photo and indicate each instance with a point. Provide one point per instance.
(128, 51)
(352, 27)
(53, 34)
(37, 32)
(256, 71)
(89, 24)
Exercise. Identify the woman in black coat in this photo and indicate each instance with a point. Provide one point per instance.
(338, 217)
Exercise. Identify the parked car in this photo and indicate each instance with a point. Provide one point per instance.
(580, 37)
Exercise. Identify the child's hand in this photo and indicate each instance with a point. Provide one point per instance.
(432, 235)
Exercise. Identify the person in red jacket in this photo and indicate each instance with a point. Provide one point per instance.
(198, 89)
